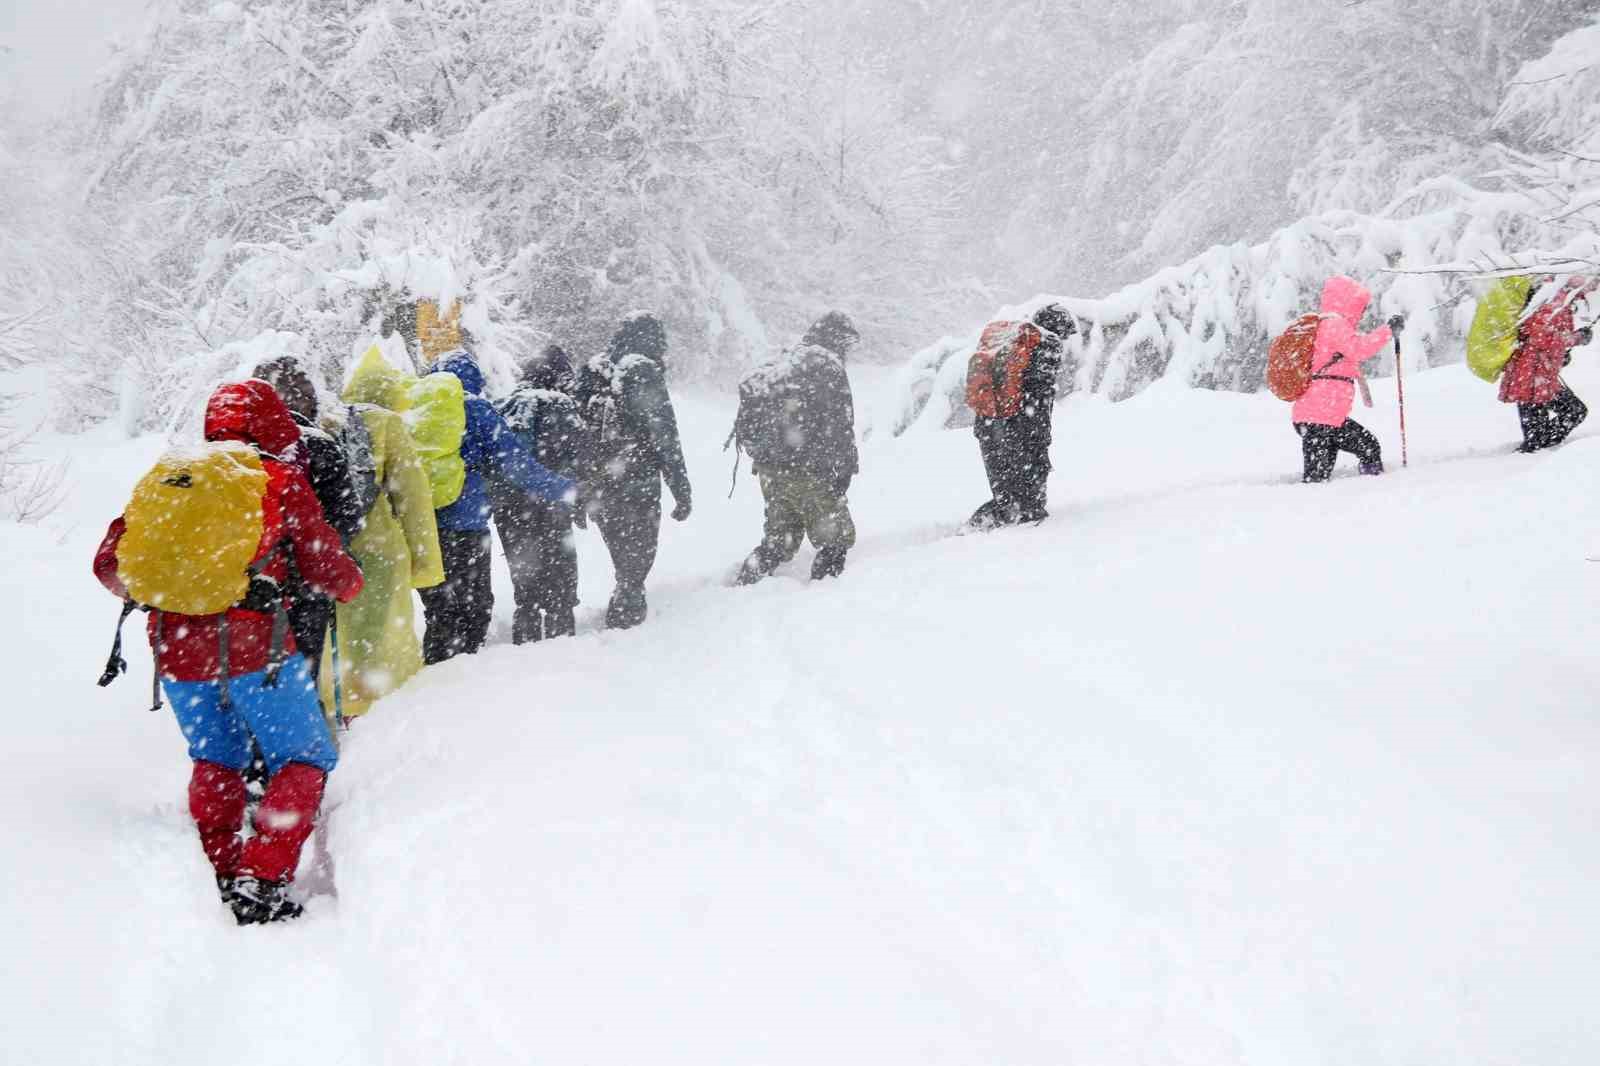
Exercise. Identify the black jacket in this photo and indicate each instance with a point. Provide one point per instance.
(632, 427)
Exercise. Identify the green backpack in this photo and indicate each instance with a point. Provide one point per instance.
(1493, 337)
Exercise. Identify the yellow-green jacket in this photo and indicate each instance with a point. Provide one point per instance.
(398, 550)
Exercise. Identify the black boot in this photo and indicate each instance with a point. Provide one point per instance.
(828, 563)
(257, 902)
(627, 608)
(225, 889)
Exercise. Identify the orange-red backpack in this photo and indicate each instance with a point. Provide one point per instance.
(1289, 358)
(994, 373)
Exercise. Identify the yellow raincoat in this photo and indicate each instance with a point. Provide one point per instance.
(398, 551)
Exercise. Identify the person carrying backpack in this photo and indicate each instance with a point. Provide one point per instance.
(796, 421)
(398, 549)
(536, 535)
(327, 467)
(634, 434)
(205, 545)
(1321, 415)
(1011, 387)
(1548, 410)
(459, 610)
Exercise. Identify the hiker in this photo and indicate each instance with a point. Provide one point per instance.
(536, 535)
(1548, 410)
(634, 435)
(397, 548)
(1011, 387)
(1321, 415)
(326, 467)
(796, 421)
(458, 611)
(230, 669)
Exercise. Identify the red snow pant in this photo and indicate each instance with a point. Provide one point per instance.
(283, 821)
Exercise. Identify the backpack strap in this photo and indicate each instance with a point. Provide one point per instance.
(226, 702)
(116, 665)
(155, 654)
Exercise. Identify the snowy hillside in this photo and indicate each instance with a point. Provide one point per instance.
(1211, 768)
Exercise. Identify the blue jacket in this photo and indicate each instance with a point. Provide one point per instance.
(491, 450)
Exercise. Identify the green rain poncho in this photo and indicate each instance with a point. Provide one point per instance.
(398, 549)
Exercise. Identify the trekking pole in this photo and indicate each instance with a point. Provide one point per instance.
(1400, 386)
(338, 682)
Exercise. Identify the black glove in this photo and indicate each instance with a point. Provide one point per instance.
(681, 509)
(1585, 336)
(1397, 323)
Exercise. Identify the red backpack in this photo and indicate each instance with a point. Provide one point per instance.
(1289, 358)
(994, 373)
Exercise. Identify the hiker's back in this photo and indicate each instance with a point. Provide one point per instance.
(797, 414)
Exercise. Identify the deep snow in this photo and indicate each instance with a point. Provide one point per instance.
(1211, 768)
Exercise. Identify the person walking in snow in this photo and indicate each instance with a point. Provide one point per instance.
(537, 535)
(398, 549)
(1548, 410)
(1013, 422)
(325, 466)
(225, 674)
(459, 610)
(633, 432)
(796, 421)
(1321, 416)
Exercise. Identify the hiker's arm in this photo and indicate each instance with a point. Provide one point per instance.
(653, 405)
(318, 553)
(510, 461)
(105, 559)
(1367, 345)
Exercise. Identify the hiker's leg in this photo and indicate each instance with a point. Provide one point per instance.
(555, 586)
(1356, 439)
(1569, 415)
(219, 745)
(1318, 450)
(287, 814)
(630, 524)
(476, 605)
(832, 531)
(286, 719)
(217, 800)
(783, 527)
(514, 521)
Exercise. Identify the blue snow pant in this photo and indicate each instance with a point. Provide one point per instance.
(285, 721)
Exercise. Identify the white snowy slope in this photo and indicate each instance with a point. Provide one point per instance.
(1211, 768)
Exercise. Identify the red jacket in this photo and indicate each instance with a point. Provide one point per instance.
(250, 412)
(1534, 373)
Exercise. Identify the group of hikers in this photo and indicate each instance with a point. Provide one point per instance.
(277, 561)
(1522, 336)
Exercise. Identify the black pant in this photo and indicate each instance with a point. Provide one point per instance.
(537, 538)
(1544, 425)
(629, 517)
(1016, 458)
(1321, 446)
(458, 611)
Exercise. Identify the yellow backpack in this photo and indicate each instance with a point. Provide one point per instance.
(437, 419)
(195, 524)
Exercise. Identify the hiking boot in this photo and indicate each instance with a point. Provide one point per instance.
(627, 608)
(1372, 469)
(225, 888)
(827, 564)
(257, 902)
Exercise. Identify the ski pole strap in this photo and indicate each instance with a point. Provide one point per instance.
(155, 653)
(338, 682)
(116, 665)
(226, 702)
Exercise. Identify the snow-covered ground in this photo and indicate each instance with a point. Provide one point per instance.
(1211, 768)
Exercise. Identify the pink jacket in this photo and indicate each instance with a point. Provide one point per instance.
(1339, 353)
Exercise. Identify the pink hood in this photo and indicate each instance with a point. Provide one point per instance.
(1338, 354)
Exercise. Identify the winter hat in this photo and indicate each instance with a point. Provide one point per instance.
(285, 374)
(1055, 319)
(833, 331)
(551, 369)
(641, 333)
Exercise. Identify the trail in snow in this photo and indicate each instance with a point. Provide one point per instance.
(1207, 768)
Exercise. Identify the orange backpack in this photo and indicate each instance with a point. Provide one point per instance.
(1289, 358)
(994, 373)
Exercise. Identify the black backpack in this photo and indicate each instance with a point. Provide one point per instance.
(356, 441)
(769, 396)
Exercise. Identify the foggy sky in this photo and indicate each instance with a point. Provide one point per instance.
(55, 46)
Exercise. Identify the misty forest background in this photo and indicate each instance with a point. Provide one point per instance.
(1187, 171)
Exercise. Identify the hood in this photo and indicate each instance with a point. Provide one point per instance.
(833, 331)
(641, 333)
(251, 412)
(376, 382)
(550, 369)
(461, 364)
(1346, 298)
